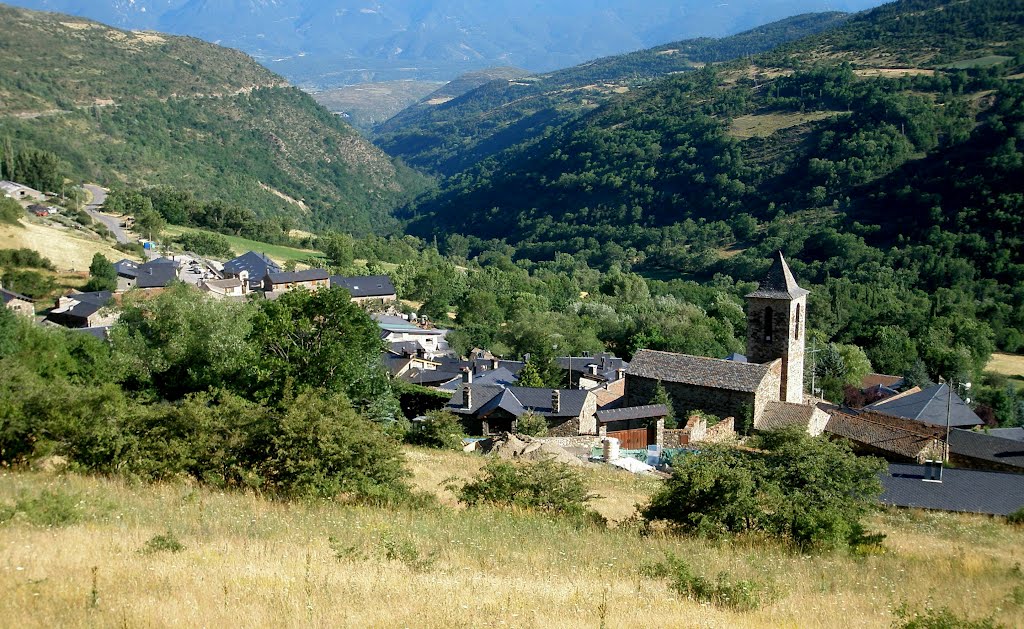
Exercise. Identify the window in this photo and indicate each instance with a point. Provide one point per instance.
(796, 332)
(768, 316)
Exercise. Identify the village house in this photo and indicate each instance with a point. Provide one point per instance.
(590, 372)
(18, 304)
(158, 273)
(368, 289)
(84, 310)
(492, 409)
(19, 192)
(256, 267)
(403, 335)
(311, 279)
(127, 274)
(929, 406)
(230, 288)
(771, 373)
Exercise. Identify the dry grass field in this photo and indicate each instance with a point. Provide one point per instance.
(68, 250)
(764, 125)
(251, 562)
(1006, 364)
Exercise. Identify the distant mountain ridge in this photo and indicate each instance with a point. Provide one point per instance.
(334, 42)
(153, 109)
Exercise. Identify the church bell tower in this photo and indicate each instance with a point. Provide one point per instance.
(776, 327)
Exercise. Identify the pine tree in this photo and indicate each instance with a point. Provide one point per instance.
(661, 397)
(530, 376)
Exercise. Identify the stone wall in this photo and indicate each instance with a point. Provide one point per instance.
(686, 397)
(579, 441)
(563, 427)
(768, 391)
(724, 430)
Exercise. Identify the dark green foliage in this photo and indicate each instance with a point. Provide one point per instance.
(940, 619)
(25, 258)
(41, 170)
(810, 492)
(205, 244)
(1017, 517)
(416, 400)
(166, 543)
(543, 486)
(102, 275)
(29, 283)
(661, 397)
(533, 425)
(741, 595)
(10, 210)
(441, 429)
(321, 340)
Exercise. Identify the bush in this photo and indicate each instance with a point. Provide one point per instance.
(441, 429)
(29, 283)
(939, 619)
(163, 543)
(134, 248)
(1017, 517)
(724, 591)
(533, 425)
(51, 508)
(25, 258)
(10, 210)
(542, 486)
(809, 492)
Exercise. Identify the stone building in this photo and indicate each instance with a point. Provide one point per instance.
(772, 374)
(489, 409)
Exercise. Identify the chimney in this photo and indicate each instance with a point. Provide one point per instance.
(495, 363)
(467, 375)
(556, 400)
(467, 396)
(620, 373)
(421, 353)
(604, 361)
(592, 369)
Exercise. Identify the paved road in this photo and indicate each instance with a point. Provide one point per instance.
(99, 196)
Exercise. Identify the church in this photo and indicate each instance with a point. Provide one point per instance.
(767, 390)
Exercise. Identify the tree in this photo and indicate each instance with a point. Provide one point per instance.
(339, 249)
(529, 376)
(10, 210)
(102, 275)
(661, 396)
(532, 424)
(149, 223)
(321, 340)
(811, 492)
(441, 429)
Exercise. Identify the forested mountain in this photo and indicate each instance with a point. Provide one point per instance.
(151, 109)
(882, 157)
(450, 130)
(325, 43)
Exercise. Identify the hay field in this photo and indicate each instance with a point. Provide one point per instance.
(764, 125)
(251, 562)
(1007, 364)
(68, 250)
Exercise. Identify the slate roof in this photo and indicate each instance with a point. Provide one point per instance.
(736, 358)
(897, 435)
(101, 332)
(966, 491)
(431, 377)
(369, 286)
(127, 268)
(163, 260)
(100, 297)
(501, 377)
(987, 447)
(607, 365)
(929, 406)
(632, 412)
(389, 324)
(779, 283)
(698, 370)
(156, 275)
(778, 415)
(1017, 434)
(309, 275)
(518, 400)
(7, 296)
(256, 264)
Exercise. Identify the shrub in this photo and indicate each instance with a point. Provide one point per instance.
(441, 429)
(10, 210)
(133, 248)
(50, 508)
(29, 283)
(724, 591)
(807, 491)
(533, 425)
(25, 258)
(543, 486)
(939, 619)
(1017, 517)
(163, 543)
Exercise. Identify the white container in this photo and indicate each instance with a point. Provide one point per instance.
(611, 448)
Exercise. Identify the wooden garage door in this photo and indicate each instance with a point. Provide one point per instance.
(636, 438)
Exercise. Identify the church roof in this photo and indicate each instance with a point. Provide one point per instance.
(713, 373)
(779, 283)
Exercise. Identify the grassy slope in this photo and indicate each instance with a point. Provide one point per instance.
(252, 562)
(68, 250)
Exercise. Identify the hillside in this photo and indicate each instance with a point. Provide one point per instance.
(152, 109)
(451, 130)
(90, 551)
(329, 43)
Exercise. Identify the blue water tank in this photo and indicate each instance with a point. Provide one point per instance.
(147, 245)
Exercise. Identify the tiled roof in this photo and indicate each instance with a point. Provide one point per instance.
(779, 283)
(880, 379)
(697, 370)
(966, 491)
(610, 394)
(632, 412)
(368, 286)
(929, 406)
(991, 448)
(778, 415)
(899, 436)
(309, 275)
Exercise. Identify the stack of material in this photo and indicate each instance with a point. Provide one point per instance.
(524, 448)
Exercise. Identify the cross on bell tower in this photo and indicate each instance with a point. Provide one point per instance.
(776, 326)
